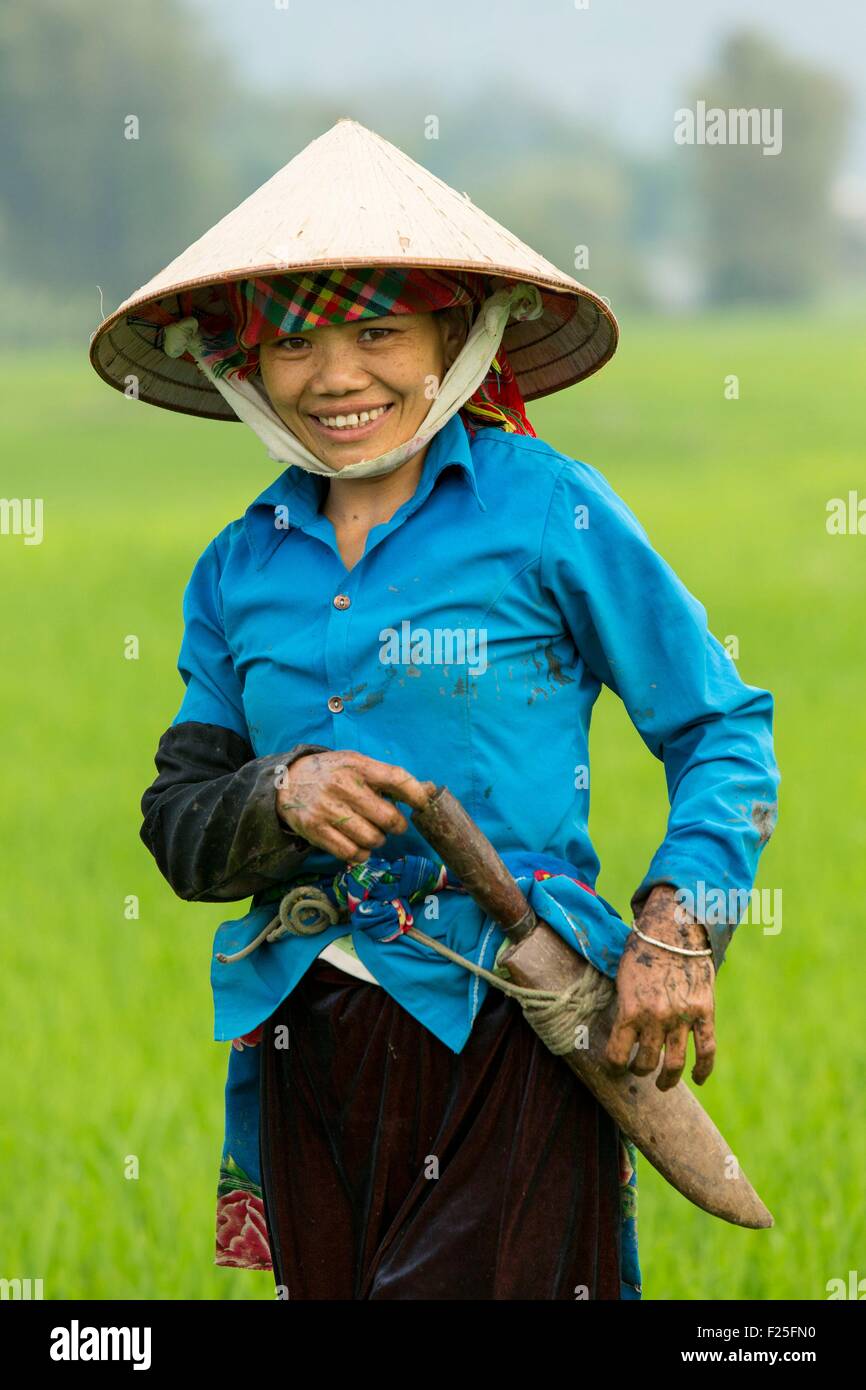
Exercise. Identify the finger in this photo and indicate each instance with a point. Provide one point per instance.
(360, 798)
(676, 1046)
(705, 1049)
(397, 782)
(350, 823)
(623, 1037)
(333, 815)
(651, 1042)
(344, 791)
(341, 846)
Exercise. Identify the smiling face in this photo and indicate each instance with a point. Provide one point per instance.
(351, 391)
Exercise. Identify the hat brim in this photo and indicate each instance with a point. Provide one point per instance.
(574, 337)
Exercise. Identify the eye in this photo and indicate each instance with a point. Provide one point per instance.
(386, 332)
(282, 343)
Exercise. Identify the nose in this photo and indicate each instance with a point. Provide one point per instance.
(337, 368)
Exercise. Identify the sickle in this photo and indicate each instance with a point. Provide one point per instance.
(670, 1128)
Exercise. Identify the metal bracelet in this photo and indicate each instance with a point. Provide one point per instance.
(680, 950)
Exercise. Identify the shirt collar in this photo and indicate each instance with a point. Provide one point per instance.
(294, 498)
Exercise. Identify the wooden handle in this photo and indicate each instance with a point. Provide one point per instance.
(466, 850)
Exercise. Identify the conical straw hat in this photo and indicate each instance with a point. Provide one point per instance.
(352, 198)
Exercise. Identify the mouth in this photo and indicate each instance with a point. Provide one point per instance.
(349, 425)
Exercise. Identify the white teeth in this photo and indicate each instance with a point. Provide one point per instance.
(339, 422)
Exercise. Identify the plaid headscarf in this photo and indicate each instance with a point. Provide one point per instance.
(265, 309)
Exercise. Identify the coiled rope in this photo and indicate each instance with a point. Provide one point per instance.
(553, 1014)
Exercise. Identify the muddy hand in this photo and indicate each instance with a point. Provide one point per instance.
(663, 997)
(343, 801)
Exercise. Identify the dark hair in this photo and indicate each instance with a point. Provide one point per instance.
(465, 312)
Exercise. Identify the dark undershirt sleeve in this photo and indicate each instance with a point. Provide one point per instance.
(210, 818)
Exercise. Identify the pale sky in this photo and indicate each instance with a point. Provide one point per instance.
(626, 62)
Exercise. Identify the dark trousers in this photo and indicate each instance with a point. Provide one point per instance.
(393, 1168)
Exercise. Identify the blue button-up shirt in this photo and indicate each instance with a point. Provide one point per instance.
(481, 623)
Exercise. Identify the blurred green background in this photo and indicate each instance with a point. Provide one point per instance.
(107, 1033)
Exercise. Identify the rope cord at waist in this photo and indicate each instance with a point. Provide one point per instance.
(554, 1014)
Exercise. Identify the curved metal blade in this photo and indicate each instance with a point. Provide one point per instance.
(670, 1128)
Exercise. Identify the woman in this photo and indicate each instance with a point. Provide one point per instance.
(428, 593)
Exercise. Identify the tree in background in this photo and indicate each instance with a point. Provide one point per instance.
(81, 203)
(768, 230)
(559, 184)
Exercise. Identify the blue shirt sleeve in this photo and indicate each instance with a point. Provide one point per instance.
(641, 633)
(213, 691)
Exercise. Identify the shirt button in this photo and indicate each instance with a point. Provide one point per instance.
(335, 704)
(342, 601)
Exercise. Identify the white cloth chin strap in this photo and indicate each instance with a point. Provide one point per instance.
(250, 403)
